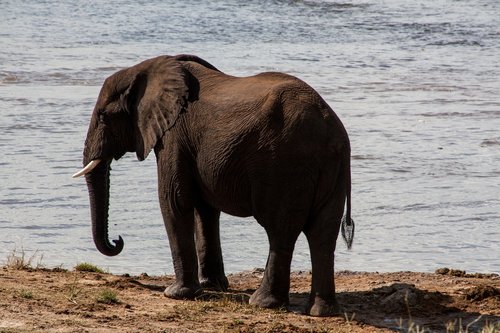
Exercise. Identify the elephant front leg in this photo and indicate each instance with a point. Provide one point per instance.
(176, 193)
(211, 267)
(180, 230)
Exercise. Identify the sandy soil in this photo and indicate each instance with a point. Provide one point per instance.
(70, 301)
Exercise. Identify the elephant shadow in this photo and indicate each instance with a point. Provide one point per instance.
(395, 306)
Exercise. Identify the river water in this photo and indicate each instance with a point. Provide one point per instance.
(417, 84)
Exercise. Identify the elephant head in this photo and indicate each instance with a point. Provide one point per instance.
(135, 107)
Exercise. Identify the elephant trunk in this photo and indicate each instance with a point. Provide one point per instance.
(98, 187)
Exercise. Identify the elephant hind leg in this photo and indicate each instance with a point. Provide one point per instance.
(275, 285)
(321, 233)
(322, 299)
(283, 222)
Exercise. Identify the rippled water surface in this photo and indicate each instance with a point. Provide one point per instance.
(416, 83)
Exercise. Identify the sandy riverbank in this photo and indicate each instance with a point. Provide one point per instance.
(69, 301)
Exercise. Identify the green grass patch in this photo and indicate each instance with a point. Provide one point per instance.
(107, 296)
(26, 294)
(87, 267)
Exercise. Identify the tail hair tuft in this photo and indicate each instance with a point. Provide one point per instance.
(347, 228)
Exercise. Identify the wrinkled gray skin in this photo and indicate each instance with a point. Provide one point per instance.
(266, 146)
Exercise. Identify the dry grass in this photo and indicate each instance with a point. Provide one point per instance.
(452, 327)
(19, 260)
(74, 290)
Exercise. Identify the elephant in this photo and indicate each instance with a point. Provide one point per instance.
(266, 146)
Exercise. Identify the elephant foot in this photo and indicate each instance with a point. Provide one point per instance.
(216, 283)
(325, 308)
(179, 291)
(267, 300)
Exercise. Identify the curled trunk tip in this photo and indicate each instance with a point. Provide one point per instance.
(109, 249)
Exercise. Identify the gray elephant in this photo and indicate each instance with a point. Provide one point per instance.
(266, 146)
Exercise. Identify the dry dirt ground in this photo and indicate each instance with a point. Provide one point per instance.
(69, 301)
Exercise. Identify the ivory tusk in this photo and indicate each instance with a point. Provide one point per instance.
(89, 167)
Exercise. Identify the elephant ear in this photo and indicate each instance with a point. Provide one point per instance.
(156, 97)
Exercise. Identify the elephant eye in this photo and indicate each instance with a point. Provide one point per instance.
(102, 116)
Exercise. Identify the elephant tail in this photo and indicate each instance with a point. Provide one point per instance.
(347, 224)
